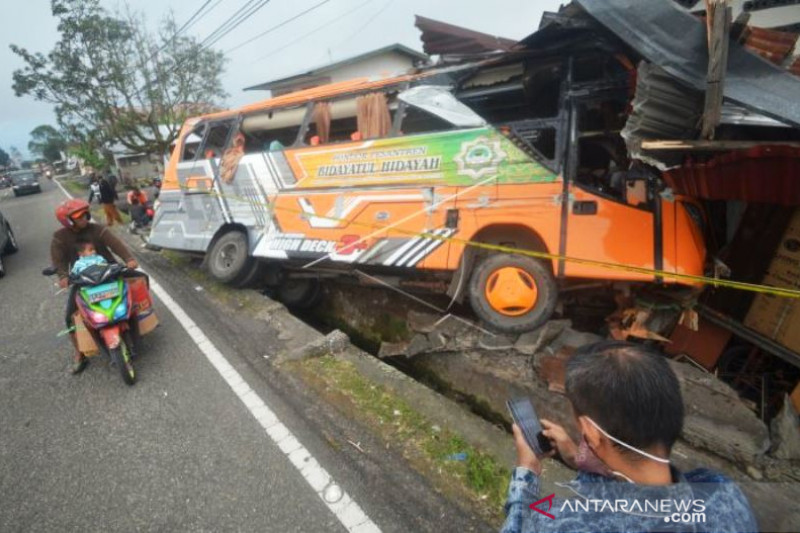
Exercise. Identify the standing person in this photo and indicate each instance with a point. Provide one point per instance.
(74, 216)
(137, 205)
(108, 197)
(94, 189)
(627, 403)
(112, 179)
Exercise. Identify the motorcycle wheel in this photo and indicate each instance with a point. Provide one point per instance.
(121, 357)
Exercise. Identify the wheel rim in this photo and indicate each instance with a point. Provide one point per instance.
(228, 256)
(511, 291)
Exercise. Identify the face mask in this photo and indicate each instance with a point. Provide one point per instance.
(587, 461)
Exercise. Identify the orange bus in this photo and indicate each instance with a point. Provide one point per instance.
(437, 176)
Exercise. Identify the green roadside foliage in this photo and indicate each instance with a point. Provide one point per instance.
(466, 475)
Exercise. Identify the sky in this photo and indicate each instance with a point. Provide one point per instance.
(336, 30)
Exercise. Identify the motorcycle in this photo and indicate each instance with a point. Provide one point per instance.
(110, 306)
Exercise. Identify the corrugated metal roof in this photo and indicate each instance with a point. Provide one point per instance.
(766, 174)
(447, 39)
(772, 45)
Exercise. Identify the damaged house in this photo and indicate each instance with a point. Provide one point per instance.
(639, 101)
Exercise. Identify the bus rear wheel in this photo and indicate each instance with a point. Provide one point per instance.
(512, 293)
(229, 258)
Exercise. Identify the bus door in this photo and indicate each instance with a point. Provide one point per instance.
(611, 212)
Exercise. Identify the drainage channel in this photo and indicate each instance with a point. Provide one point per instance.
(372, 316)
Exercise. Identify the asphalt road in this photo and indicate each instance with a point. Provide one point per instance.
(178, 451)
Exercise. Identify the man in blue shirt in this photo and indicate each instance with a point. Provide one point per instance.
(628, 407)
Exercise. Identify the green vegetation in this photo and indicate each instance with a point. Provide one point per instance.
(464, 473)
(76, 188)
(112, 81)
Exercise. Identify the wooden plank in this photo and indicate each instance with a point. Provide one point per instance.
(718, 21)
(711, 145)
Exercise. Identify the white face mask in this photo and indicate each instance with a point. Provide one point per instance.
(628, 446)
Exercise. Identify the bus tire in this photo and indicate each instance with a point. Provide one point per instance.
(252, 276)
(229, 259)
(300, 294)
(512, 293)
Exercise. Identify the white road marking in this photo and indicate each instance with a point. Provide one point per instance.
(346, 510)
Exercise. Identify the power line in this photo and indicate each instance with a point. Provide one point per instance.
(280, 25)
(315, 30)
(233, 22)
(368, 22)
(192, 20)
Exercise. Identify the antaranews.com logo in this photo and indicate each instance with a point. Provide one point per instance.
(674, 511)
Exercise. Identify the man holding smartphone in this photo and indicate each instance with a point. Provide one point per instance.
(628, 407)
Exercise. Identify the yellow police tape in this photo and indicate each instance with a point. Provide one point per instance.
(716, 282)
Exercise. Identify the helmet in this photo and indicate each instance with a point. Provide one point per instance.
(67, 208)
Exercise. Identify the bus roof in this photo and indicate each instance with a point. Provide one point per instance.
(333, 90)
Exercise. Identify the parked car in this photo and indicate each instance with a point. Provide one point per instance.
(8, 244)
(25, 181)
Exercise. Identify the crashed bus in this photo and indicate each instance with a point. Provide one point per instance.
(434, 179)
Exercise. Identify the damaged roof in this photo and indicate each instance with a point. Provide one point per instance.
(672, 38)
(446, 39)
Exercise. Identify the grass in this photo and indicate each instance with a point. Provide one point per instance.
(457, 469)
(75, 188)
(187, 263)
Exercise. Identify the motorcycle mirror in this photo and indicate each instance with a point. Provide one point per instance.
(49, 271)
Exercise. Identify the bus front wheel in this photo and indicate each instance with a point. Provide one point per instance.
(512, 293)
(229, 258)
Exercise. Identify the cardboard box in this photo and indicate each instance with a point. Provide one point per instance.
(778, 317)
(86, 343)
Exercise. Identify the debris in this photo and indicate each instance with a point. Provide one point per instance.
(422, 322)
(703, 345)
(716, 418)
(419, 344)
(785, 432)
(495, 342)
(437, 340)
(337, 341)
(392, 349)
(457, 457)
(356, 445)
(198, 288)
(642, 319)
(533, 341)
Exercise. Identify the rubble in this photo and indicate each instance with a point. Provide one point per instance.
(786, 433)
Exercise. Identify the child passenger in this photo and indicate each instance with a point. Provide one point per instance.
(87, 256)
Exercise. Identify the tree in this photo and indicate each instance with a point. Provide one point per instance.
(47, 142)
(5, 159)
(112, 81)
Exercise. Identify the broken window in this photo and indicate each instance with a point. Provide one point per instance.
(192, 142)
(215, 140)
(272, 130)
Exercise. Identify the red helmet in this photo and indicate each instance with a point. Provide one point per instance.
(68, 208)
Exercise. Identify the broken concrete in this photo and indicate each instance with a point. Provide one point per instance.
(786, 433)
(717, 420)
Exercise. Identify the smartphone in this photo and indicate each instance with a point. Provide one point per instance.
(524, 416)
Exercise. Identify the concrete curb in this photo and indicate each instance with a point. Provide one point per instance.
(299, 341)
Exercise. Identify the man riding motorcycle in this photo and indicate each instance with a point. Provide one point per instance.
(75, 217)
